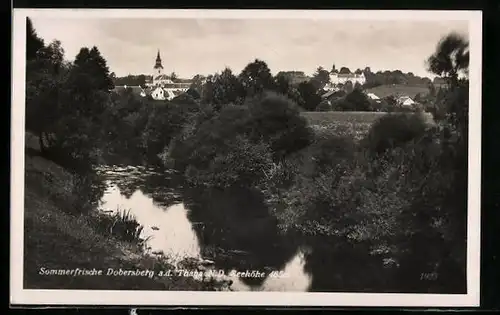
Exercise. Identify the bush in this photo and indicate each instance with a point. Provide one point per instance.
(213, 149)
(238, 162)
(393, 130)
(276, 120)
(121, 225)
(164, 122)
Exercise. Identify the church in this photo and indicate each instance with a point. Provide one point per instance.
(160, 86)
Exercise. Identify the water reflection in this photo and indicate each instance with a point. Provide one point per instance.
(232, 228)
(237, 231)
(168, 230)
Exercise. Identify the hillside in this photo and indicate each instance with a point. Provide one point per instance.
(383, 91)
(58, 239)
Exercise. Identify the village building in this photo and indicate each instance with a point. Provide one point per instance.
(343, 78)
(405, 101)
(160, 86)
(374, 97)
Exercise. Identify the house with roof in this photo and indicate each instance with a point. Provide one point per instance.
(405, 101)
(329, 93)
(374, 98)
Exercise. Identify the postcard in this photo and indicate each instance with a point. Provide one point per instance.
(245, 157)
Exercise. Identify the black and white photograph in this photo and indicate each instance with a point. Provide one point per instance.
(246, 157)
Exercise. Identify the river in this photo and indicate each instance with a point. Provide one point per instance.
(234, 229)
(172, 228)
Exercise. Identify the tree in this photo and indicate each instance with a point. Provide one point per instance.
(91, 63)
(451, 57)
(282, 83)
(334, 70)
(358, 100)
(320, 78)
(358, 71)
(33, 42)
(276, 119)
(173, 76)
(88, 91)
(450, 60)
(348, 87)
(256, 77)
(310, 98)
(223, 89)
(45, 78)
(197, 83)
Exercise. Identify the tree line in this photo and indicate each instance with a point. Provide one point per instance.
(398, 195)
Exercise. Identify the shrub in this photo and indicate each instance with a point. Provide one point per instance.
(121, 225)
(163, 124)
(238, 162)
(276, 120)
(393, 130)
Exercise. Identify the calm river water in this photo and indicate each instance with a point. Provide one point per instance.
(235, 230)
(179, 231)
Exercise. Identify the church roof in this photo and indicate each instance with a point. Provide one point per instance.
(134, 88)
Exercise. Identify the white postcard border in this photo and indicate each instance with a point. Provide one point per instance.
(20, 296)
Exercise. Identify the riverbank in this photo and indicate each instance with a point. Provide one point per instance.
(56, 238)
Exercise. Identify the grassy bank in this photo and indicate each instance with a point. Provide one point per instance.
(57, 238)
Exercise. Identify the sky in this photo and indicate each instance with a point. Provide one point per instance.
(206, 46)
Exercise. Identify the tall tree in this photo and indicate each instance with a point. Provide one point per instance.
(33, 42)
(45, 78)
(282, 83)
(320, 78)
(227, 88)
(91, 63)
(348, 87)
(197, 83)
(256, 77)
(451, 57)
(89, 84)
(309, 96)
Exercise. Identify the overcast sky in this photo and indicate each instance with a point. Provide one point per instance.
(202, 46)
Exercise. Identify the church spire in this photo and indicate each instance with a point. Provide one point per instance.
(158, 61)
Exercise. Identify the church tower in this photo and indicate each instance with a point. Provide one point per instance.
(158, 68)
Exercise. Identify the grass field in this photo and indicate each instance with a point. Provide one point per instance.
(398, 89)
(355, 124)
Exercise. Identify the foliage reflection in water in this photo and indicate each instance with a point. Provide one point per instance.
(203, 227)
